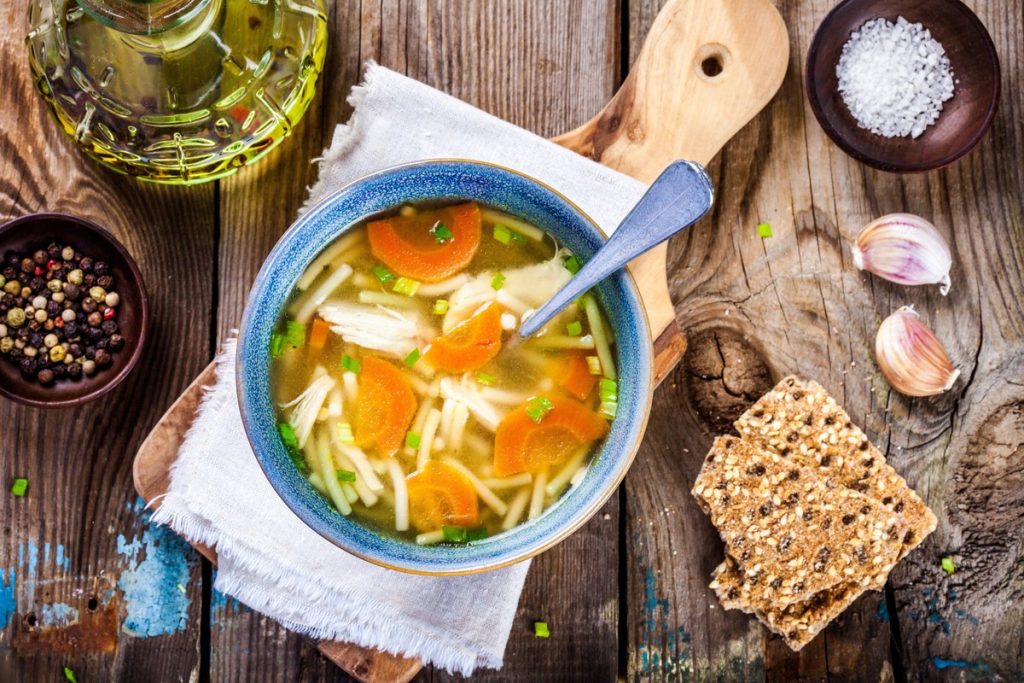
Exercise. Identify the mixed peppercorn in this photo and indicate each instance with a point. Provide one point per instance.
(58, 314)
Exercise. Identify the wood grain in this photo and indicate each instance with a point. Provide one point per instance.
(753, 310)
(556, 78)
(61, 541)
(756, 309)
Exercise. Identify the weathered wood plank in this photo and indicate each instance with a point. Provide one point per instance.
(85, 580)
(756, 309)
(511, 60)
(965, 450)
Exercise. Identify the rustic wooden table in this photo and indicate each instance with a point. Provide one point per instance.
(86, 582)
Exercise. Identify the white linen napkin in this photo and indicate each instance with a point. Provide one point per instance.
(219, 496)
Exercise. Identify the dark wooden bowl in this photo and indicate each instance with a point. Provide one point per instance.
(964, 119)
(36, 231)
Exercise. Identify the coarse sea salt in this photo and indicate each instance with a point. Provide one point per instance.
(894, 77)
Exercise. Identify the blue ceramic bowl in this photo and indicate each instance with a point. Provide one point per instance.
(448, 181)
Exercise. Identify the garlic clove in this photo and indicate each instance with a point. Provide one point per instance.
(911, 357)
(905, 249)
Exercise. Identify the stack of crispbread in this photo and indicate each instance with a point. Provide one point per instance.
(810, 512)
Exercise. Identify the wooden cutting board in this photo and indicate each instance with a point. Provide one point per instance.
(706, 68)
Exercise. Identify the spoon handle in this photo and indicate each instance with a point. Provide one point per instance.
(679, 197)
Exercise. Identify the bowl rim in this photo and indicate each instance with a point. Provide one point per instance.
(114, 380)
(583, 515)
(810, 83)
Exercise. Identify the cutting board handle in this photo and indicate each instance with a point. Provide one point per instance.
(705, 70)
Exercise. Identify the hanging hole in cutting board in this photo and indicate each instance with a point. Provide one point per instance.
(712, 61)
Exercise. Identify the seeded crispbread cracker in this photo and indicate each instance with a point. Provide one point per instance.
(799, 421)
(798, 623)
(793, 533)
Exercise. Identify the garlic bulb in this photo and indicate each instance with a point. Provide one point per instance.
(911, 357)
(906, 249)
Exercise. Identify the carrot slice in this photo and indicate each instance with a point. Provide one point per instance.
(573, 374)
(470, 344)
(522, 445)
(412, 246)
(440, 495)
(385, 407)
(318, 337)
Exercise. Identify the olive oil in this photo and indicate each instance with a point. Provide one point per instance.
(177, 91)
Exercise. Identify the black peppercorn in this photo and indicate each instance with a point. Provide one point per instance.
(35, 339)
(90, 352)
(10, 273)
(52, 308)
(27, 365)
(102, 344)
(71, 291)
(71, 330)
(102, 358)
(37, 284)
(59, 370)
(74, 371)
(85, 264)
(116, 342)
(109, 327)
(89, 280)
(105, 281)
(93, 333)
(75, 350)
(53, 250)
(100, 268)
(89, 305)
(45, 376)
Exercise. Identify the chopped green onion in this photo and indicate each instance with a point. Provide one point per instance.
(947, 564)
(19, 487)
(345, 475)
(517, 236)
(498, 281)
(70, 675)
(609, 391)
(454, 534)
(594, 365)
(764, 230)
(406, 286)
(477, 534)
(440, 306)
(538, 407)
(411, 359)
(351, 364)
(295, 333)
(486, 379)
(287, 433)
(575, 328)
(291, 444)
(540, 629)
(441, 233)
(412, 440)
(383, 274)
(572, 264)
(345, 434)
(502, 233)
(276, 345)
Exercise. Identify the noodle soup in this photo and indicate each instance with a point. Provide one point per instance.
(396, 396)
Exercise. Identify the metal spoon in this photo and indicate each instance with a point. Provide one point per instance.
(680, 197)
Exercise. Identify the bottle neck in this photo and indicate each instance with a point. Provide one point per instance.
(146, 17)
